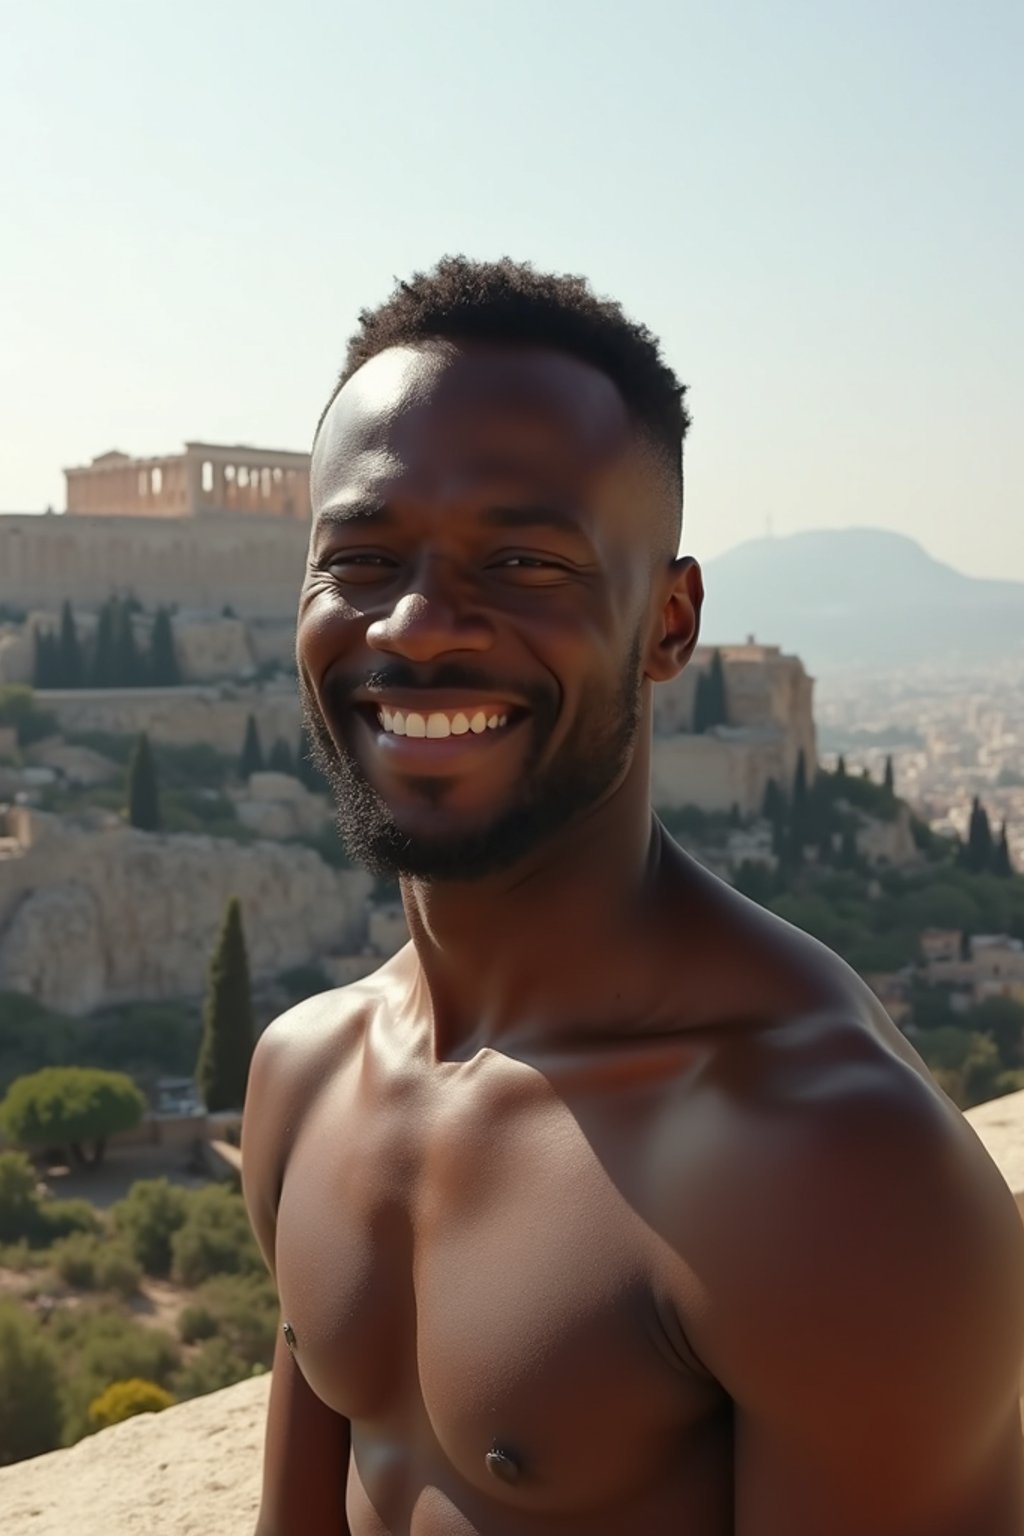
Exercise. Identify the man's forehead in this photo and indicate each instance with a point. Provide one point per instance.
(408, 402)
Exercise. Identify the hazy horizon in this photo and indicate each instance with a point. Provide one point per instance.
(813, 208)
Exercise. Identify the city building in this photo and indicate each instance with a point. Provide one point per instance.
(206, 480)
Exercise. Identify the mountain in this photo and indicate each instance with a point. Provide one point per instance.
(860, 597)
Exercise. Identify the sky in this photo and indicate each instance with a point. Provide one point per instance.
(815, 206)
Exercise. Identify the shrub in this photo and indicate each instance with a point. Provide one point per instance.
(92, 1264)
(59, 1106)
(243, 1309)
(215, 1366)
(30, 1409)
(215, 1238)
(124, 1399)
(19, 1203)
(147, 1219)
(101, 1345)
(60, 1218)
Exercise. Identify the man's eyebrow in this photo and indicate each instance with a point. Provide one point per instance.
(355, 512)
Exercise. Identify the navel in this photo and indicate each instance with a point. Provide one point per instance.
(289, 1336)
(503, 1465)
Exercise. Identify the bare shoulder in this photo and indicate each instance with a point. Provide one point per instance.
(295, 1056)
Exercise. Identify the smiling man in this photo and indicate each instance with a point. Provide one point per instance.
(611, 1204)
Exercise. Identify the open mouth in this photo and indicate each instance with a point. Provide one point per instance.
(436, 724)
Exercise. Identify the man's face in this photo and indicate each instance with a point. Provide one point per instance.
(474, 614)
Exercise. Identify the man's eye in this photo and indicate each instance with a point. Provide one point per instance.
(370, 564)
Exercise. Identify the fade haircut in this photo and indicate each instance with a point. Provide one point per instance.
(509, 301)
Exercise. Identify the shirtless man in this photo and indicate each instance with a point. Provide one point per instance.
(611, 1204)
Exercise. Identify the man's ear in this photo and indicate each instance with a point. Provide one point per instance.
(677, 621)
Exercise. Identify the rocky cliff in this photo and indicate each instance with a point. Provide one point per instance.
(114, 915)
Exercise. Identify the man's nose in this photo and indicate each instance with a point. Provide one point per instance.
(430, 621)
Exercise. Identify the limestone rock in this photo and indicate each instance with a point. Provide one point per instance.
(276, 805)
(77, 765)
(94, 917)
(209, 647)
(190, 1470)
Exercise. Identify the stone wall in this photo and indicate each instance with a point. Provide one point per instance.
(255, 564)
(89, 918)
(179, 716)
(721, 768)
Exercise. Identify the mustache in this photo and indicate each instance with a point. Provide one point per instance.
(338, 688)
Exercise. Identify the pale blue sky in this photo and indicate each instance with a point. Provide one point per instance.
(815, 204)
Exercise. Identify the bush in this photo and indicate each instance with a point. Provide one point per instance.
(60, 1218)
(243, 1309)
(19, 708)
(59, 1106)
(215, 1366)
(19, 1203)
(101, 1345)
(215, 1238)
(147, 1218)
(92, 1264)
(30, 1408)
(124, 1399)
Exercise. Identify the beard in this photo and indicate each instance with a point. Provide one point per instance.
(549, 796)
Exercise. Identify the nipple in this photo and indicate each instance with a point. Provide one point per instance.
(289, 1335)
(502, 1465)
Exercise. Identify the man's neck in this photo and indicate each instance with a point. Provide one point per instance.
(544, 947)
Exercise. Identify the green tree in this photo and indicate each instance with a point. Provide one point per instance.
(773, 806)
(251, 759)
(143, 788)
(977, 854)
(70, 1106)
(841, 767)
(163, 660)
(147, 1218)
(124, 1399)
(30, 1411)
(889, 781)
(46, 665)
(718, 705)
(128, 667)
(70, 658)
(225, 1051)
(281, 759)
(701, 716)
(1003, 1019)
(104, 666)
(1002, 864)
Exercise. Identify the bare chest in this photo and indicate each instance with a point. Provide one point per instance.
(478, 1280)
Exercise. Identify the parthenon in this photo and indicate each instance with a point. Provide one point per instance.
(206, 480)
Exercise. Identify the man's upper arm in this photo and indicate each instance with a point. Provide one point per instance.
(867, 1317)
(306, 1450)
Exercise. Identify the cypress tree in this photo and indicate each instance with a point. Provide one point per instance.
(281, 759)
(889, 782)
(127, 664)
(143, 788)
(225, 1050)
(718, 713)
(46, 665)
(1002, 864)
(841, 767)
(163, 661)
(72, 668)
(773, 807)
(103, 671)
(799, 803)
(980, 848)
(251, 760)
(701, 712)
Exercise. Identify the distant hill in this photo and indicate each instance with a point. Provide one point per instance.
(860, 597)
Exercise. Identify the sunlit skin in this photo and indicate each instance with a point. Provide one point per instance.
(611, 1203)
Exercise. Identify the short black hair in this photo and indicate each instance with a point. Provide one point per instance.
(509, 301)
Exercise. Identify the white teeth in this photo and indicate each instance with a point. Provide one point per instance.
(437, 725)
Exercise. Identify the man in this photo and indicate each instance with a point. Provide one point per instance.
(612, 1203)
